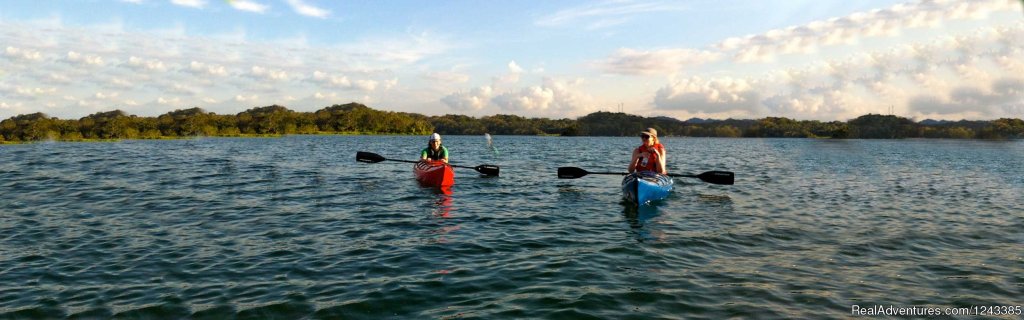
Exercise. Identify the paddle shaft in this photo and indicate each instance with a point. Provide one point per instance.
(625, 173)
(410, 161)
(406, 161)
(486, 169)
(716, 177)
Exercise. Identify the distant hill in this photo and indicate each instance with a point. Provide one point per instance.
(696, 120)
(355, 118)
(930, 122)
(666, 119)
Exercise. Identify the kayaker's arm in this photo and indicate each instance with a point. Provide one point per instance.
(661, 160)
(632, 162)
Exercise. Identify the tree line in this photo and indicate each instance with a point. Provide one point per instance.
(355, 118)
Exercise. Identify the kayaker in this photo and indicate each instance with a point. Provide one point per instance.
(434, 150)
(649, 156)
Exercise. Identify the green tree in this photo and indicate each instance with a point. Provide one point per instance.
(958, 133)
(30, 127)
(109, 125)
(876, 126)
(727, 131)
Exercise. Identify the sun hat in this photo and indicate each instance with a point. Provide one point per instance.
(650, 132)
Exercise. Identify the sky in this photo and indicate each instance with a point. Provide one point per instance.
(805, 60)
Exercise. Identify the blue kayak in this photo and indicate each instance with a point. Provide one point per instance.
(643, 187)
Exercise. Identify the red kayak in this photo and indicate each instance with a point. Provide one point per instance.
(434, 173)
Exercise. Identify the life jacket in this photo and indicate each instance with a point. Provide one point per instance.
(431, 154)
(649, 162)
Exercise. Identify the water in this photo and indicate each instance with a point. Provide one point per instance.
(294, 227)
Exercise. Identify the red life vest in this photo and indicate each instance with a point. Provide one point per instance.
(649, 163)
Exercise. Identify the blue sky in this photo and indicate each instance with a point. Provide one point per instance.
(824, 60)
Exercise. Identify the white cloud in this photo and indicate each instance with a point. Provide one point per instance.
(199, 68)
(530, 98)
(366, 85)
(118, 83)
(553, 97)
(667, 61)
(106, 96)
(513, 67)
(32, 92)
(84, 59)
(10, 106)
(446, 77)
(855, 28)
(22, 54)
(170, 68)
(606, 13)
(140, 64)
(249, 99)
(1003, 98)
(569, 96)
(473, 100)
(390, 83)
(720, 95)
(199, 4)
(902, 56)
(302, 8)
(245, 5)
(175, 101)
(325, 79)
(888, 63)
(258, 72)
(392, 52)
(322, 96)
(509, 79)
(180, 89)
(823, 104)
(57, 79)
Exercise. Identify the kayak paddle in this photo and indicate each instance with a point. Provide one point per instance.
(716, 177)
(369, 157)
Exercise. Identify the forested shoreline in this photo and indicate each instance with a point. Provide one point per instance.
(355, 118)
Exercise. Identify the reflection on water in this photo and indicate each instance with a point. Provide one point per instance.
(642, 221)
(442, 205)
(282, 228)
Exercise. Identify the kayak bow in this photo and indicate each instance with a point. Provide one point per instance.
(434, 173)
(642, 187)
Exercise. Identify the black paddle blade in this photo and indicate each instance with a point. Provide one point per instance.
(717, 177)
(488, 169)
(571, 172)
(368, 157)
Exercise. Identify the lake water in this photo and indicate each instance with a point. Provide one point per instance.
(294, 227)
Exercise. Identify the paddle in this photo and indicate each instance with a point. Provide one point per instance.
(369, 157)
(716, 177)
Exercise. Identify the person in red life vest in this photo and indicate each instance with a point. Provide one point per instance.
(649, 156)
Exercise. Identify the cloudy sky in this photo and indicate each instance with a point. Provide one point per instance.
(823, 60)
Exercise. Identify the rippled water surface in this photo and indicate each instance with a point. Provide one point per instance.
(294, 227)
